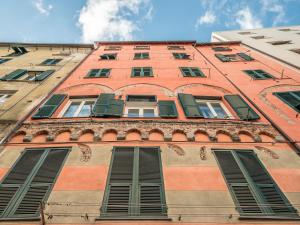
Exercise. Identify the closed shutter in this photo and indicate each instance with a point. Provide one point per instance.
(242, 109)
(246, 202)
(30, 182)
(268, 188)
(44, 75)
(223, 58)
(292, 98)
(14, 75)
(245, 56)
(107, 106)
(167, 109)
(120, 183)
(190, 106)
(49, 107)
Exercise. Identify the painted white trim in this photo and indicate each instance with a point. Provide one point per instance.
(211, 108)
(82, 102)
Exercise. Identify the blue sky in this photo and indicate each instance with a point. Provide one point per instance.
(76, 21)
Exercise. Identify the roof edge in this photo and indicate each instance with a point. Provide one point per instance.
(145, 42)
(70, 45)
(217, 43)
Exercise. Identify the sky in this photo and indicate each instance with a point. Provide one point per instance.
(85, 21)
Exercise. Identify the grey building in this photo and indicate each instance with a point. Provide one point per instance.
(282, 43)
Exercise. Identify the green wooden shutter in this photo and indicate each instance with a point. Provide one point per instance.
(223, 58)
(242, 109)
(190, 106)
(245, 56)
(275, 199)
(14, 75)
(44, 75)
(167, 109)
(106, 105)
(237, 183)
(49, 107)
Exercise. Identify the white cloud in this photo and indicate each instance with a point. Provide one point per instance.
(275, 7)
(246, 20)
(110, 19)
(208, 18)
(40, 6)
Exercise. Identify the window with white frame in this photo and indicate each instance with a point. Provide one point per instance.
(141, 106)
(4, 97)
(78, 108)
(213, 109)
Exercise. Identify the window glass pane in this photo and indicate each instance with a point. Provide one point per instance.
(205, 110)
(149, 113)
(72, 109)
(86, 109)
(219, 110)
(133, 112)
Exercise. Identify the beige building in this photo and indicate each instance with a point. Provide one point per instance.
(28, 73)
(282, 43)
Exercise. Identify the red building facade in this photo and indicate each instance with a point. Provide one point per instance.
(160, 132)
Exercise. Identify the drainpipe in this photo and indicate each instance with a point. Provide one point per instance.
(20, 122)
(291, 142)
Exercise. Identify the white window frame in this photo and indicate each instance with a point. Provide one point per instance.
(4, 97)
(211, 108)
(82, 102)
(141, 106)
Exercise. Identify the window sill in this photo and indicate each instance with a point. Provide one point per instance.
(245, 217)
(94, 77)
(156, 218)
(20, 219)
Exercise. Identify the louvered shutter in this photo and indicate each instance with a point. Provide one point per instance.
(150, 183)
(167, 109)
(190, 106)
(245, 56)
(49, 107)
(246, 202)
(44, 75)
(47, 62)
(41, 184)
(242, 109)
(106, 105)
(223, 58)
(14, 75)
(271, 193)
(120, 183)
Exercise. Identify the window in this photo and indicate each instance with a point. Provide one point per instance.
(142, 47)
(286, 29)
(297, 50)
(135, 187)
(3, 60)
(238, 57)
(4, 96)
(18, 50)
(108, 56)
(141, 98)
(27, 75)
(213, 109)
(175, 47)
(292, 98)
(246, 33)
(191, 72)
(79, 108)
(95, 73)
(29, 182)
(141, 106)
(142, 55)
(49, 62)
(142, 72)
(112, 48)
(280, 42)
(181, 56)
(258, 74)
(259, 37)
(221, 49)
(254, 191)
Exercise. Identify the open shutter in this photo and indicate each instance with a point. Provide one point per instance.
(49, 107)
(106, 105)
(242, 109)
(44, 75)
(245, 56)
(14, 75)
(167, 109)
(151, 189)
(273, 196)
(120, 183)
(223, 58)
(190, 106)
(246, 202)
